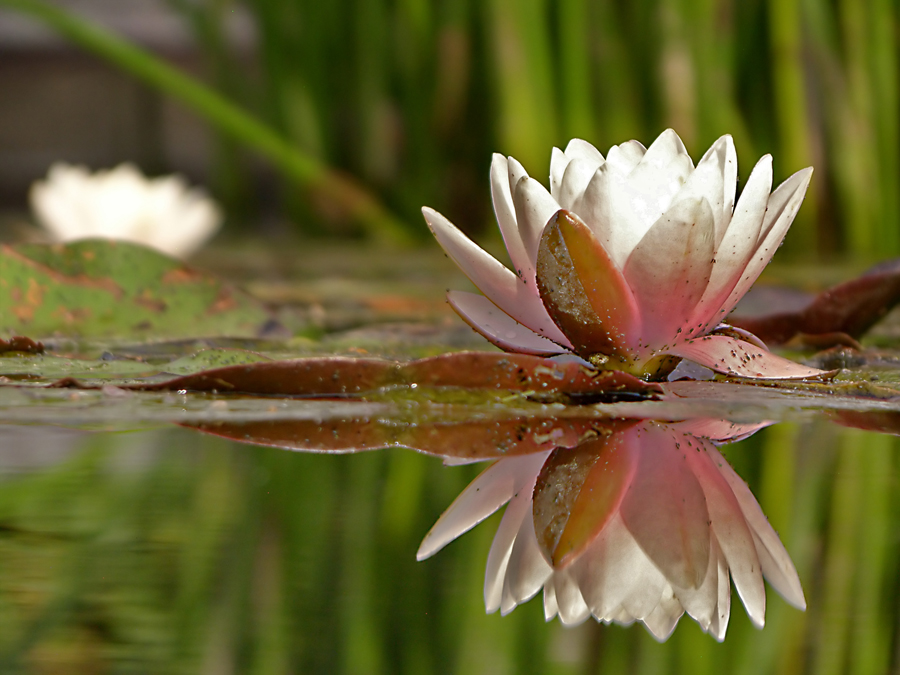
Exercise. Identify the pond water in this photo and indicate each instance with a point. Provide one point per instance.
(130, 544)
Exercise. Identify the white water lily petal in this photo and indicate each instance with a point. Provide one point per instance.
(498, 327)
(782, 208)
(534, 207)
(505, 212)
(668, 288)
(607, 209)
(578, 148)
(571, 606)
(723, 155)
(615, 574)
(558, 164)
(551, 607)
(625, 156)
(519, 509)
(501, 286)
(737, 245)
(736, 357)
(708, 182)
(576, 178)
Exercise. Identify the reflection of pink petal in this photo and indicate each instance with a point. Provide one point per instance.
(731, 531)
(736, 357)
(498, 327)
(776, 563)
(616, 575)
(665, 509)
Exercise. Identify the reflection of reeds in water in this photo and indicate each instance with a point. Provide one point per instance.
(173, 552)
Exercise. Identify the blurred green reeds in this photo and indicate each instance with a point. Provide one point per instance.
(411, 97)
(171, 552)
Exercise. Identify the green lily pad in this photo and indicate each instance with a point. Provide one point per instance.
(101, 288)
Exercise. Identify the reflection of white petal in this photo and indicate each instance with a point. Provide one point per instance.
(526, 569)
(495, 486)
(775, 560)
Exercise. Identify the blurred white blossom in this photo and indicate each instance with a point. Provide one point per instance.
(163, 213)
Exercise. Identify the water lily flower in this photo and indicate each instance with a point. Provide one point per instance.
(122, 203)
(641, 525)
(631, 261)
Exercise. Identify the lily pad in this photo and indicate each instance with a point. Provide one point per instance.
(95, 288)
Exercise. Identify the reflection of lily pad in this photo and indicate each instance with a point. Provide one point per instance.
(96, 288)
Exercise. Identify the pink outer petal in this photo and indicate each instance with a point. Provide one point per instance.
(669, 270)
(737, 245)
(780, 212)
(736, 357)
(510, 293)
(498, 327)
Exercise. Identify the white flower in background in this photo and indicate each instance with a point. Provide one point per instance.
(645, 524)
(121, 203)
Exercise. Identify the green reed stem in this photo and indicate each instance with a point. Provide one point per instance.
(343, 191)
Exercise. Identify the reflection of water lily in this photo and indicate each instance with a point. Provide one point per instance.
(629, 260)
(642, 525)
(123, 204)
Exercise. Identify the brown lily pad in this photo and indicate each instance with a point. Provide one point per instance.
(332, 376)
(839, 315)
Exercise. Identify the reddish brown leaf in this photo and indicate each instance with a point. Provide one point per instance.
(462, 439)
(848, 309)
(21, 344)
(343, 376)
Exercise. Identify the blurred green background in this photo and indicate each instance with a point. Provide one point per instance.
(408, 99)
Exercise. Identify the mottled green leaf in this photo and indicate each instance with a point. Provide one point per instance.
(96, 288)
